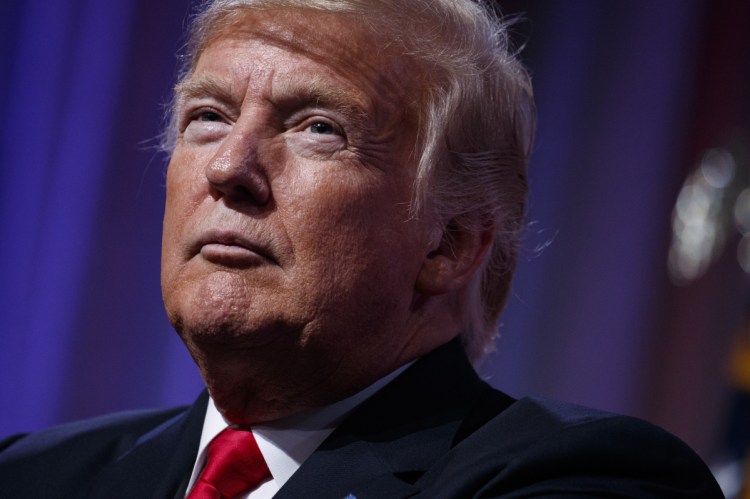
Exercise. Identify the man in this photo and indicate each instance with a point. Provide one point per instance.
(344, 197)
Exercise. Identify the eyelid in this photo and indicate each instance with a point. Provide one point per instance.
(198, 113)
(304, 119)
(192, 108)
(337, 130)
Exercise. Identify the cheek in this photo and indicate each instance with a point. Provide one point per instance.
(182, 196)
(185, 186)
(346, 230)
(327, 210)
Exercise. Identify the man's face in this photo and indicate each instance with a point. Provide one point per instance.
(288, 245)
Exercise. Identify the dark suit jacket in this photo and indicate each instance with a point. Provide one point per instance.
(437, 431)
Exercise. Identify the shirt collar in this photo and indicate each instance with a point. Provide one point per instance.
(287, 442)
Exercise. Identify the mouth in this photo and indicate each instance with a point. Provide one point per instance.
(232, 249)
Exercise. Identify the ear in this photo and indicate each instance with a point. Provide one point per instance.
(453, 258)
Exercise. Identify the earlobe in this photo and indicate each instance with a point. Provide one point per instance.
(453, 259)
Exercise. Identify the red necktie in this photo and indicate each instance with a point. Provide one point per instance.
(234, 465)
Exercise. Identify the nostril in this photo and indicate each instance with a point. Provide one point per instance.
(242, 191)
(252, 190)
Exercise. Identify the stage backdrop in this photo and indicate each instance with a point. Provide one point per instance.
(83, 87)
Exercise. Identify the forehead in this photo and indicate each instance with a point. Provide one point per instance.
(317, 34)
(249, 43)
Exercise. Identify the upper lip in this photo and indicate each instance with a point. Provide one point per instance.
(232, 238)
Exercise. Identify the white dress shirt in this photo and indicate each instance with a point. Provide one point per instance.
(286, 443)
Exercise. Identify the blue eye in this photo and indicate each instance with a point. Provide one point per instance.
(321, 127)
(208, 116)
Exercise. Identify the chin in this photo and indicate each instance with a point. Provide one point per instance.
(241, 387)
(245, 412)
(236, 404)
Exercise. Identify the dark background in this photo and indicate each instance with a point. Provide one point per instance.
(630, 96)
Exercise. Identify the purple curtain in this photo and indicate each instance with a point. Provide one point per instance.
(84, 83)
(611, 89)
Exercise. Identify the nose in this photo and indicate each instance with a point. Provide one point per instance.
(234, 172)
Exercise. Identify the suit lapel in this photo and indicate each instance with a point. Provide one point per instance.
(159, 463)
(380, 450)
(386, 445)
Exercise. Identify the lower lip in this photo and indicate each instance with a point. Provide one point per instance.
(230, 255)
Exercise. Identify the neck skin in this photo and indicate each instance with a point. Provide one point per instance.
(253, 385)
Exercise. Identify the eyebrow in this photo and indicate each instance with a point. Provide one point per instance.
(312, 92)
(205, 86)
(318, 92)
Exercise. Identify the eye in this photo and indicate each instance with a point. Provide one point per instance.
(204, 125)
(322, 127)
(208, 116)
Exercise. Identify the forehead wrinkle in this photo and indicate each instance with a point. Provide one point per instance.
(366, 66)
(355, 51)
(370, 83)
(360, 55)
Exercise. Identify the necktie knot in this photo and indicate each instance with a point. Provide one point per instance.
(234, 465)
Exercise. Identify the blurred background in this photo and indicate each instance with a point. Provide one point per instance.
(633, 289)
